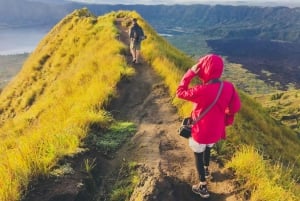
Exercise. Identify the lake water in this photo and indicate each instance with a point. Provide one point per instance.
(20, 40)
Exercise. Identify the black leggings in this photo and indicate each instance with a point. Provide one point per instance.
(202, 159)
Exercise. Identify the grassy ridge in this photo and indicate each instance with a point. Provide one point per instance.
(168, 62)
(253, 127)
(49, 107)
(261, 180)
(58, 95)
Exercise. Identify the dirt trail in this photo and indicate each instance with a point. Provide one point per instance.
(166, 162)
(170, 169)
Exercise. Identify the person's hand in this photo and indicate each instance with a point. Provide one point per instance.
(195, 68)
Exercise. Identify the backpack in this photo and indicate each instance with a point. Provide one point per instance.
(137, 33)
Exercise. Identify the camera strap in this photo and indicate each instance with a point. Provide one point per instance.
(210, 106)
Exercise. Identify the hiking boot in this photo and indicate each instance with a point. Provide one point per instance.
(207, 175)
(201, 190)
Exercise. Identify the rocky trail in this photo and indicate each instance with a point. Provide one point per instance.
(166, 163)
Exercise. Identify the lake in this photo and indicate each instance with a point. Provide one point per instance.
(14, 42)
(20, 40)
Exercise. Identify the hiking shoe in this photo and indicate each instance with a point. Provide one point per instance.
(134, 61)
(201, 190)
(207, 175)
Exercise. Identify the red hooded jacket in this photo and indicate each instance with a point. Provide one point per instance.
(211, 128)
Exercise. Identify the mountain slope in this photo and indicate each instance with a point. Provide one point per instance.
(59, 97)
(221, 21)
(254, 126)
(51, 104)
(148, 152)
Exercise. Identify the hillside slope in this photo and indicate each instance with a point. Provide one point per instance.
(153, 145)
(52, 103)
(62, 101)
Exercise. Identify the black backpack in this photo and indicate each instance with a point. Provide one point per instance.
(137, 33)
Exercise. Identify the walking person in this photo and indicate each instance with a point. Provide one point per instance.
(136, 35)
(211, 127)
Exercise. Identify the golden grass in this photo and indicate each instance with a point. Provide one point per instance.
(168, 62)
(63, 87)
(57, 96)
(253, 125)
(260, 180)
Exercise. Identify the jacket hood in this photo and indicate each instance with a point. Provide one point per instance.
(211, 67)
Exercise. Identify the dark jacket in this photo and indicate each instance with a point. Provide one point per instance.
(136, 33)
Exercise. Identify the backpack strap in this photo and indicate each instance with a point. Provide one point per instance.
(210, 106)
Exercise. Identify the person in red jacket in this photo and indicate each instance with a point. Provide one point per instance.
(211, 128)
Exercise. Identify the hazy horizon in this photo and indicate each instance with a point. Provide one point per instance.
(170, 2)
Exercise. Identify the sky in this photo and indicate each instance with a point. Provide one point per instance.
(151, 2)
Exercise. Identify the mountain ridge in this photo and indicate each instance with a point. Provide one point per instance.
(60, 96)
(280, 23)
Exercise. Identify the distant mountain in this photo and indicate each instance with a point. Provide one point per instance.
(280, 23)
(50, 1)
(29, 13)
(262, 3)
(222, 21)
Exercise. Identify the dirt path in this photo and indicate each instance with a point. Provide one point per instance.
(170, 169)
(166, 162)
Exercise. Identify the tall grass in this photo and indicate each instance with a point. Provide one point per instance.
(66, 82)
(260, 180)
(58, 95)
(253, 125)
(168, 62)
